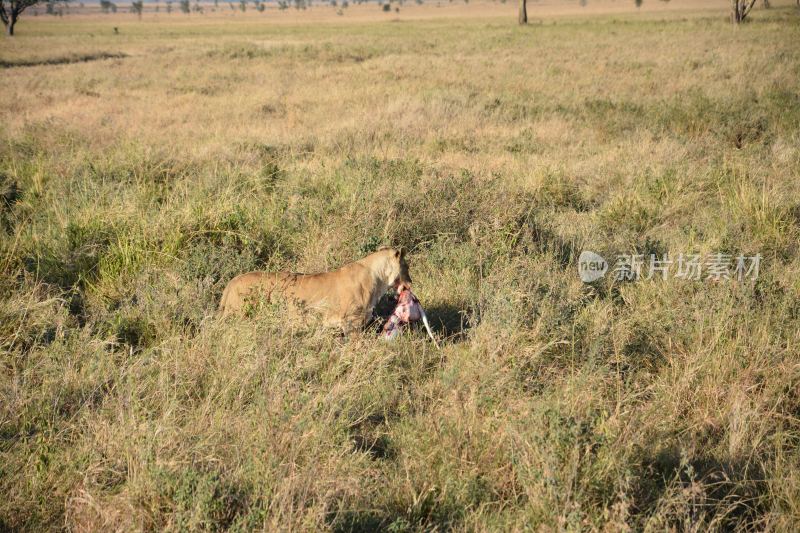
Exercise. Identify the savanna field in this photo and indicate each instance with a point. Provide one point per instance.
(141, 170)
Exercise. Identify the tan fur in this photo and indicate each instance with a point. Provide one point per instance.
(345, 298)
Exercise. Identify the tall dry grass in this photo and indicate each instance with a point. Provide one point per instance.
(135, 186)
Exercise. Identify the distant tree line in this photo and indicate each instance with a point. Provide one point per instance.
(10, 10)
(739, 9)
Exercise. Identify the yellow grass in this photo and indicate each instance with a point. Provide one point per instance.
(141, 170)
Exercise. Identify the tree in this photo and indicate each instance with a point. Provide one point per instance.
(106, 6)
(740, 9)
(10, 10)
(137, 6)
(523, 12)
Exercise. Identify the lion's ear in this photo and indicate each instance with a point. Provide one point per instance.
(400, 253)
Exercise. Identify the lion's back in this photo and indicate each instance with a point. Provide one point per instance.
(335, 294)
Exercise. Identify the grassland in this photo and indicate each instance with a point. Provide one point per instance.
(142, 170)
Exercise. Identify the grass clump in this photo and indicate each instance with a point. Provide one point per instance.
(496, 156)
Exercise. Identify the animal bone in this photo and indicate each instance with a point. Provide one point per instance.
(406, 311)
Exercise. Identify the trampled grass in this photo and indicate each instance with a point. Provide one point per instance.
(142, 170)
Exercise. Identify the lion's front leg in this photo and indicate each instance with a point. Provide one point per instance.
(354, 321)
(352, 325)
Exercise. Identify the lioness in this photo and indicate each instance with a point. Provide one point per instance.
(344, 298)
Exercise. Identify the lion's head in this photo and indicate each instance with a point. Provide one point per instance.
(397, 274)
